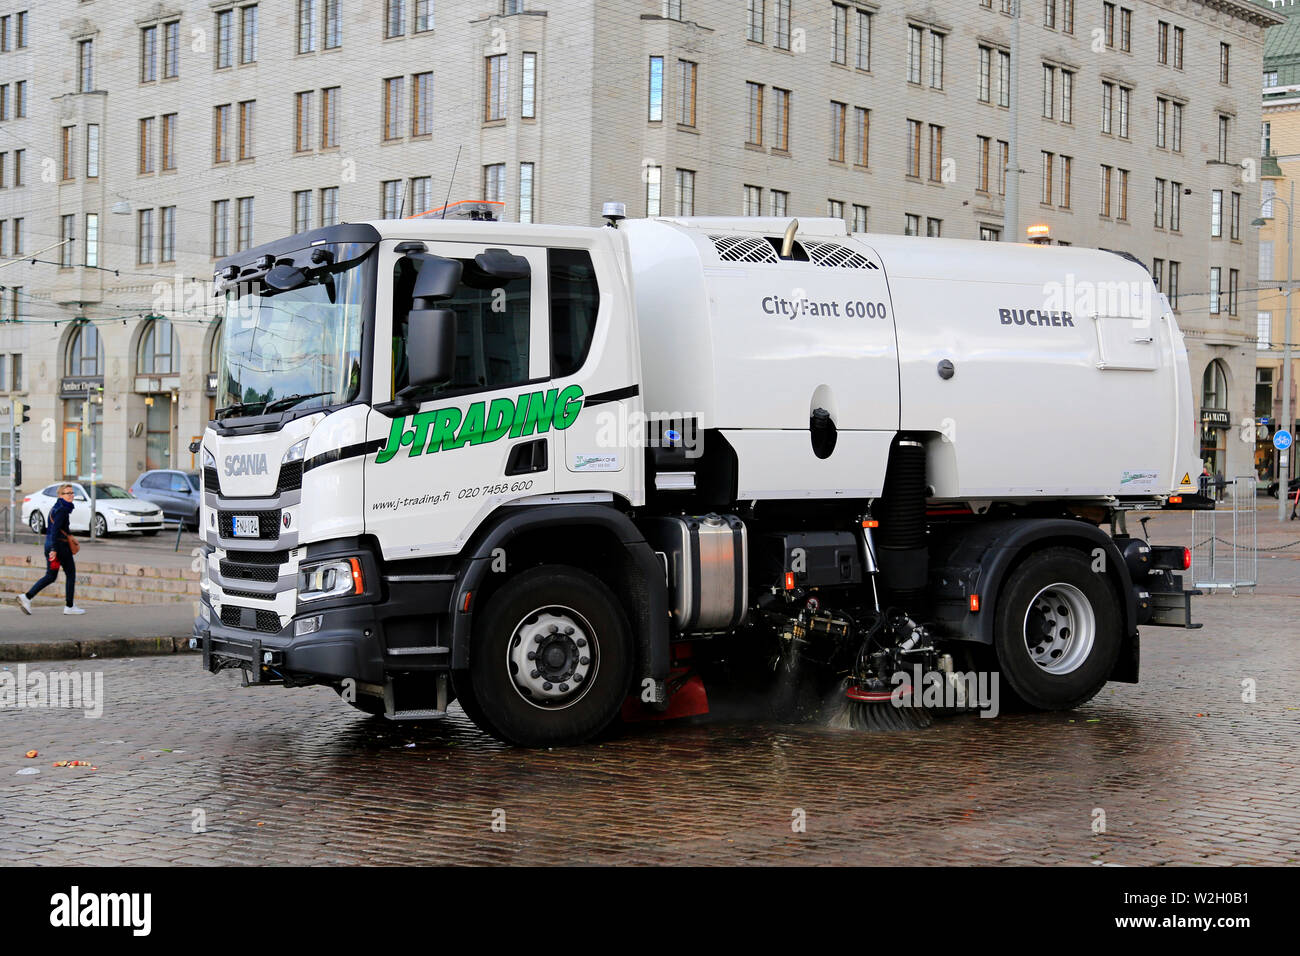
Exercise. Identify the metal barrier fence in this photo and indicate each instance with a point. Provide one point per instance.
(1225, 542)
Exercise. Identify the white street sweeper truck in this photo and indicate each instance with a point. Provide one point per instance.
(564, 475)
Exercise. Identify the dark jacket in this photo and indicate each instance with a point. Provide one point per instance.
(56, 525)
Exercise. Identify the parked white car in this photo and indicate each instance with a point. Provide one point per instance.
(115, 510)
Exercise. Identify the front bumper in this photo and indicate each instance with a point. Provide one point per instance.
(134, 522)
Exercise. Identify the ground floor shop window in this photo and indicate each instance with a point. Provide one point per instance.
(158, 431)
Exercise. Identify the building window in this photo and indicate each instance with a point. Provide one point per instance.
(85, 66)
(687, 74)
(68, 151)
(92, 239)
(781, 119)
(686, 192)
(936, 61)
(329, 117)
(782, 41)
(1107, 106)
(1049, 91)
(246, 111)
(990, 234)
(390, 199)
(934, 228)
(145, 164)
(302, 119)
(422, 104)
(148, 54)
(221, 134)
(525, 192)
(168, 142)
(835, 208)
(1266, 140)
(1216, 214)
(860, 216)
(221, 228)
(1174, 268)
(329, 206)
(1234, 220)
(1160, 204)
(167, 234)
(85, 352)
(144, 236)
(1125, 98)
(334, 24)
(1048, 192)
(1175, 206)
(1126, 30)
(1263, 332)
(1157, 272)
(1162, 122)
(754, 97)
(224, 36)
(494, 182)
(1004, 78)
(838, 118)
(244, 223)
(983, 146)
(1224, 130)
(653, 190)
(395, 19)
(864, 40)
(1106, 172)
(1067, 170)
(393, 108)
(1176, 130)
(753, 201)
(1122, 215)
(1178, 47)
(779, 203)
(494, 88)
(756, 12)
(307, 12)
(1233, 278)
(656, 93)
(986, 74)
(862, 129)
(1225, 52)
(914, 149)
(302, 210)
(1004, 161)
(912, 225)
(1216, 280)
(1067, 96)
(248, 34)
(840, 34)
(1049, 14)
(936, 153)
(528, 93)
(672, 9)
(159, 351)
(915, 39)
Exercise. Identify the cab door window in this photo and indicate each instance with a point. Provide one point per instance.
(575, 300)
(493, 319)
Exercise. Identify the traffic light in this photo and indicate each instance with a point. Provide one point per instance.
(18, 472)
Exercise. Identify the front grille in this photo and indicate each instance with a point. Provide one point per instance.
(266, 573)
(210, 480)
(267, 622)
(255, 595)
(268, 523)
(290, 477)
(258, 557)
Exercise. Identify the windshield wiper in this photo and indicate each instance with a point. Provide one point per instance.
(237, 407)
(290, 400)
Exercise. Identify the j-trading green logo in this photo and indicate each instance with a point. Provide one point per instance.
(446, 428)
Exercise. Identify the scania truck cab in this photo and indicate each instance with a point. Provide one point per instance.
(540, 469)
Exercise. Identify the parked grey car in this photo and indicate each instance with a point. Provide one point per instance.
(175, 492)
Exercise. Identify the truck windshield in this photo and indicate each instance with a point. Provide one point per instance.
(295, 348)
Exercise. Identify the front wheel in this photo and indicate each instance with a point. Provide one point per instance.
(1058, 630)
(551, 659)
(101, 526)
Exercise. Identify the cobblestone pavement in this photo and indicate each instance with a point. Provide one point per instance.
(1184, 771)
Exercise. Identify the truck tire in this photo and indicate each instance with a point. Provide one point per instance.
(551, 659)
(1058, 630)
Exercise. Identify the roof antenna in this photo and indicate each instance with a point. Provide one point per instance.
(452, 181)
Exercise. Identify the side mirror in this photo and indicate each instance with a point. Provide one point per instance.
(285, 278)
(437, 279)
(501, 264)
(430, 347)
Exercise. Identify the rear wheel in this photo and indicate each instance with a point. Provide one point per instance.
(1058, 630)
(551, 659)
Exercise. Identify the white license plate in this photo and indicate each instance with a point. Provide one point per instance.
(246, 526)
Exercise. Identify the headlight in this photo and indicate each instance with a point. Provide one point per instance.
(330, 579)
(116, 512)
(295, 453)
(208, 460)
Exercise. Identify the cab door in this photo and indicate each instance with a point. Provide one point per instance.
(483, 439)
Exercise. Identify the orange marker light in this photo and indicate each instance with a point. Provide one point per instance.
(789, 580)
(1176, 500)
(871, 524)
(358, 585)
(974, 603)
(464, 605)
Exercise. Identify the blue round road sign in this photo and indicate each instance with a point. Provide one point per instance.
(1282, 439)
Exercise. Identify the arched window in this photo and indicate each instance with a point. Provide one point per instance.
(159, 354)
(1214, 386)
(85, 352)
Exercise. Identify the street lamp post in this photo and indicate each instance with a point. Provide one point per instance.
(1284, 456)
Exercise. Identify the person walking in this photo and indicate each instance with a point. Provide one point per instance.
(58, 548)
